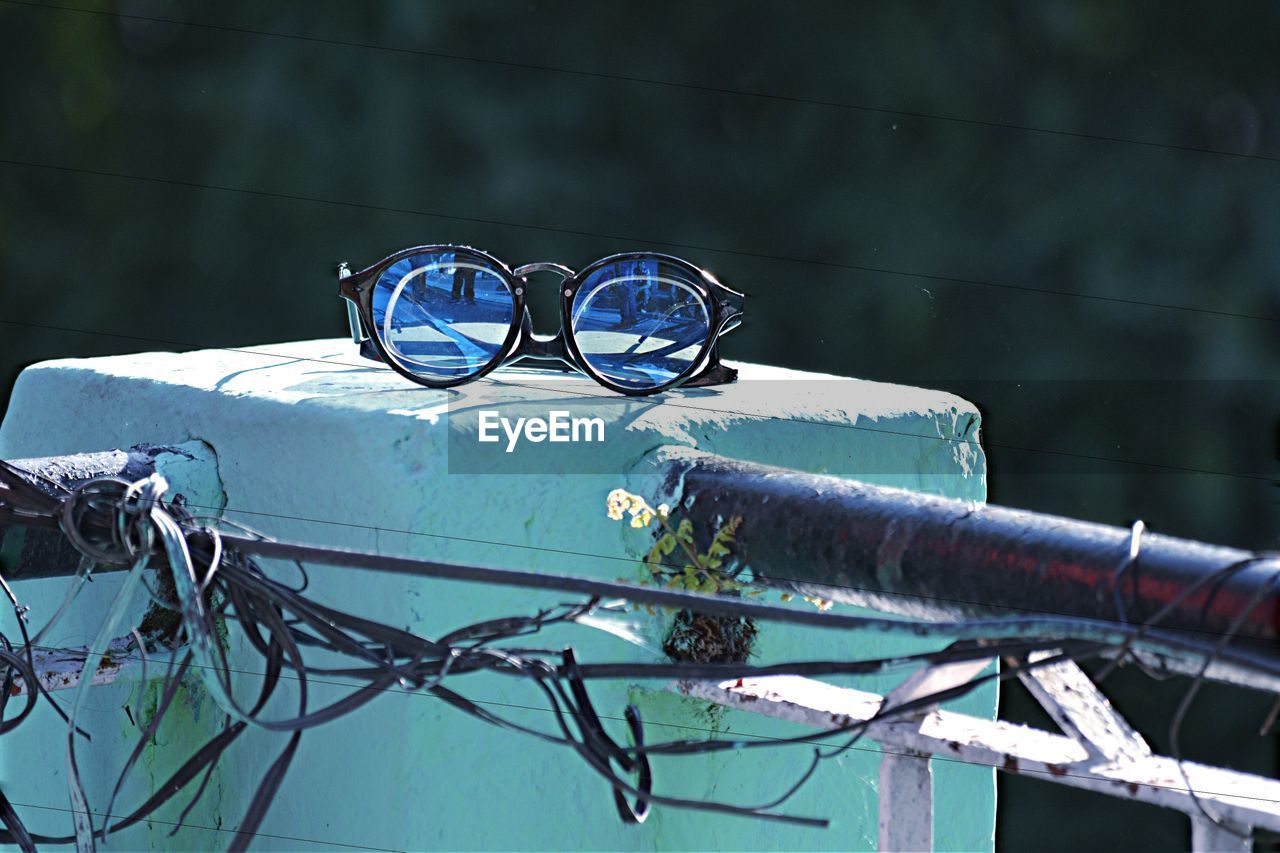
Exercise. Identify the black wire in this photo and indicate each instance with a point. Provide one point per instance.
(1069, 626)
(288, 618)
(629, 561)
(669, 403)
(720, 250)
(812, 739)
(592, 742)
(44, 839)
(253, 536)
(1175, 725)
(650, 81)
(808, 739)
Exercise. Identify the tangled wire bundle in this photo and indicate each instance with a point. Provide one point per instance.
(216, 582)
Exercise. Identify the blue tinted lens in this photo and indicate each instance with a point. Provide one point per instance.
(442, 315)
(640, 323)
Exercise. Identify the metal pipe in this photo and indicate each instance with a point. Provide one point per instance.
(893, 550)
(936, 558)
(38, 552)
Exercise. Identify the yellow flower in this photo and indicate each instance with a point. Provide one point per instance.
(618, 501)
(621, 501)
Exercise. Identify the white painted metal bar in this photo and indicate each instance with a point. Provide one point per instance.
(61, 669)
(906, 801)
(934, 679)
(1241, 798)
(1076, 704)
(905, 820)
(1209, 836)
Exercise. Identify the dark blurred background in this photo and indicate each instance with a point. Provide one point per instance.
(1068, 212)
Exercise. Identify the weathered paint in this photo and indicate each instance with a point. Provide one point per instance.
(933, 558)
(309, 434)
(1091, 757)
(32, 552)
(33, 757)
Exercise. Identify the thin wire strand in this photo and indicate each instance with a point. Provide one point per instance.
(234, 580)
(815, 739)
(652, 81)
(1261, 558)
(152, 819)
(816, 262)
(914, 596)
(873, 750)
(664, 401)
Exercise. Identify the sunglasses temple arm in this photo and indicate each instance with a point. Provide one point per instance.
(714, 373)
(353, 316)
(353, 322)
(369, 351)
(367, 348)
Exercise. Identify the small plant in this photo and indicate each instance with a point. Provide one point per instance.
(703, 570)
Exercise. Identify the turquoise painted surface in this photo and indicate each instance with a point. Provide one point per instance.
(33, 757)
(306, 435)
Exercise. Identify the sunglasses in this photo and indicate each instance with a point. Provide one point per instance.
(637, 323)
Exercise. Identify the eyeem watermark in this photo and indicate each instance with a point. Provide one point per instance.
(558, 426)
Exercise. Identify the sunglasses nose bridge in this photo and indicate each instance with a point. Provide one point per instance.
(543, 266)
(540, 347)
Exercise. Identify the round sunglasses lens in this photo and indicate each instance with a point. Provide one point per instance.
(640, 322)
(442, 315)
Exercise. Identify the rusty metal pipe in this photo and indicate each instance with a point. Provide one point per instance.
(936, 558)
(35, 552)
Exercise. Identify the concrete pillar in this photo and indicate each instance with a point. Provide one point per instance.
(316, 445)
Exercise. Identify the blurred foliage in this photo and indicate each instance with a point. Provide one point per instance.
(328, 149)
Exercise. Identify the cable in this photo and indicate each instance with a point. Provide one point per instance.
(651, 81)
(946, 279)
(816, 739)
(216, 828)
(1180, 308)
(671, 403)
(259, 602)
(633, 561)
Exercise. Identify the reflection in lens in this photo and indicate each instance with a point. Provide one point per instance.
(442, 315)
(640, 322)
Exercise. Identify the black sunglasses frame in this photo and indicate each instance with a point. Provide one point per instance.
(561, 351)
